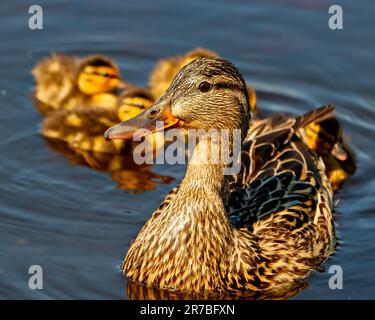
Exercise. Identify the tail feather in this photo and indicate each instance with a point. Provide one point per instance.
(314, 115)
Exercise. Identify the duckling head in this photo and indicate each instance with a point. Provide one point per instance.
(207, 93)
(326, 138)
(97, 74)
(132, 102)
(197, 53)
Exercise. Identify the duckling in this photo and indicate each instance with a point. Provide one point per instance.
(265, 227)
(326, 139)
(132, 102)
(64, 82)
(82, 127)
(165, 70)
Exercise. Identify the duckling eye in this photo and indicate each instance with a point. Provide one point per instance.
(105, 74)
(152, 113)
(205, 86)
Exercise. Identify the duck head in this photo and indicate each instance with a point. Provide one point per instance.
(97, 74)
(207, 93)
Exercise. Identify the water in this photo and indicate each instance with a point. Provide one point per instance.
(73, 221)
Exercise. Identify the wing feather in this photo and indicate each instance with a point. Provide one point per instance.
(278, 174)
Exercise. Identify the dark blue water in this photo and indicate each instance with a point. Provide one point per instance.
(71, 219)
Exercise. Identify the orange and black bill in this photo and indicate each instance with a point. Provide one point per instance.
(155, 118)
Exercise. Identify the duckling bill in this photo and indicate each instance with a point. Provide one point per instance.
(326, 139)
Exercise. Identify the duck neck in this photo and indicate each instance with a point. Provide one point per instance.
(206, 171)
(203, 191)
(191, 236)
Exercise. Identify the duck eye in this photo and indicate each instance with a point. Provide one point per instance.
(105, 74)
(205, 86)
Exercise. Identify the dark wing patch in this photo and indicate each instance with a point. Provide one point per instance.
(278, 172)
(268, 136)
(265, 196)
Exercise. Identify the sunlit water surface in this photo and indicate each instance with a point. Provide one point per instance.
(75, 223)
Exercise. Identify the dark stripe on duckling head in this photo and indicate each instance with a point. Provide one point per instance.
(97, 61)
(106, 75)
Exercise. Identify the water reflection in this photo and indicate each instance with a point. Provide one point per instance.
(137, 291)
(127, 174)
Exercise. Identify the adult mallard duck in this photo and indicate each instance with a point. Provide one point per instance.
(64, 82)
(82, 128)
(265, 227)
(166, 69)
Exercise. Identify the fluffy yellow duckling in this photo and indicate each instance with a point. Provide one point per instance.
(326, 139)
(65, 82)
(82, 127)
(165, 70)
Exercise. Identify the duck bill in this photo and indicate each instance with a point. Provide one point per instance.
(122, 85)
(155, 118)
